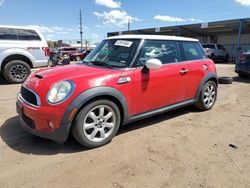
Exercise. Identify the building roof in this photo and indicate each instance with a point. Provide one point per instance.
(152, 37)
(225, 27)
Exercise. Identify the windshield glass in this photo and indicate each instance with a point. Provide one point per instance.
(208, 46)
(113, 53)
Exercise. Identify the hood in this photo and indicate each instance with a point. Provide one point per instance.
(84, 77)
(71, 72)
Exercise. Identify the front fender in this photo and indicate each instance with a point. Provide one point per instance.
(16, 51)
(86, 96)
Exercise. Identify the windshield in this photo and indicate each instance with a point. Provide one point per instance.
(113, 53)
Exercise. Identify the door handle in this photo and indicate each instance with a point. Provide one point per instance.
(183, 71)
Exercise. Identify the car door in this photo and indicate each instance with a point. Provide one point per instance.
(195, 61)
(154, 89)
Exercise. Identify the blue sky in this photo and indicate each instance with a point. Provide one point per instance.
(60, 19)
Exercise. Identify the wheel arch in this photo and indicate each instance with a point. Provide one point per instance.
(16, 57)
(87, 97)
(208, 77)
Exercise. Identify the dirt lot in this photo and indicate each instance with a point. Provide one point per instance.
(184, 148)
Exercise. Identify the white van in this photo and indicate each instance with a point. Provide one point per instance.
(21, 48)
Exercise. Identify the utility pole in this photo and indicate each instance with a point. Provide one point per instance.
(129, 24)
(81, 26)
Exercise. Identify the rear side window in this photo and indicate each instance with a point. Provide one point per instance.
(191, 51)
(166, 51)
(25, 34)
(8, 34)
(212, 46)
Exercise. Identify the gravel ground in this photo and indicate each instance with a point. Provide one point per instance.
(182, 148)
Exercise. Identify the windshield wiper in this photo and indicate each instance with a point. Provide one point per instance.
(101, 63)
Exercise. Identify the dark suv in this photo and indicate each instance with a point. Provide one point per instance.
(243, 66)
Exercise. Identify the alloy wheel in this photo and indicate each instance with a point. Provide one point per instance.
(99, 123)
(209, 95)
(18, 72)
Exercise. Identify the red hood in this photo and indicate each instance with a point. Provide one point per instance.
(84, 77)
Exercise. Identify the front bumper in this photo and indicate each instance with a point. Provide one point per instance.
(242, 69)
(45, 122)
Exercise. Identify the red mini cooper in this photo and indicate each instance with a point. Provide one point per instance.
(124, 79)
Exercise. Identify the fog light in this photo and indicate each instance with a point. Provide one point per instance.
(51, 126)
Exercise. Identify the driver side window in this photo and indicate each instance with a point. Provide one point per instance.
(165, 51)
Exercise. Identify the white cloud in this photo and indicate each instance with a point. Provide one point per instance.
(115, 18)
(243, 2)
(108, 3)
(53, 29)
(1, 2)
(166, 18)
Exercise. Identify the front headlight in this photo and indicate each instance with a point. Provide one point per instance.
(59, 92)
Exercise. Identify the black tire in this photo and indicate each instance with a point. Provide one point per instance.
(226, 58)
(225, 80)
(212, 56)
(16, 71)
(201, 103)
(242, 75)
(79, 129)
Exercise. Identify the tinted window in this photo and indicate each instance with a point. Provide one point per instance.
(165, 51)
(24, 34)
(212, 46)
(68, 49)
(220, 47)
(191, 51)
(8, 34)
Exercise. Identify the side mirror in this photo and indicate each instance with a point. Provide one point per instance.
(153, 64)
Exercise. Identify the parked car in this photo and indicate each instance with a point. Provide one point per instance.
(216, 52)
(79, 55)
(21, 48)
(67, 50)
(243, 66)
(124, 79)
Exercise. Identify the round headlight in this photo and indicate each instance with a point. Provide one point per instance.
(59, 92)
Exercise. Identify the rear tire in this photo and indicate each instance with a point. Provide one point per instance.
(226, 58)
(16, 71)
(225, 80)
(97, 123)
(242, 75)
(207, 96)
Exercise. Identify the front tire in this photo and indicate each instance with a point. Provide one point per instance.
(97, 123)
(16, 71)
(207, 96)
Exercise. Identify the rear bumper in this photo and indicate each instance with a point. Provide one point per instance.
(38, 120)
(242, 69)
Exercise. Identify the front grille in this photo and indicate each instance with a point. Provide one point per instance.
(29, 96)
(29, 122)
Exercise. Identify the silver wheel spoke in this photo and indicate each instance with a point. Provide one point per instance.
(206, 99)
(101, 112)
(102, 133)
(109, 115)
(89, 125)
(108, 125)
(93, 134)
(93, 116)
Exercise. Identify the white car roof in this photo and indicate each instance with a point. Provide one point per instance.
(153, 37)
(18, 27)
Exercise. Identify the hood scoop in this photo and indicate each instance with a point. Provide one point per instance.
(39, 76)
